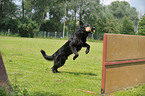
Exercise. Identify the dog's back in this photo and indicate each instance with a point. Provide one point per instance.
(64, 50)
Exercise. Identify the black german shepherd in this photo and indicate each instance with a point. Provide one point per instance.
(73, 45)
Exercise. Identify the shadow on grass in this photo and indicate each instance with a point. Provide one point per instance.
(76, 73)
(44, 94)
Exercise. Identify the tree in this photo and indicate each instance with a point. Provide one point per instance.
(112, 25)
(7, 9)
(64, 18)
(127, 26)
(37, 9)
(57, 12)
(72, 12)
(8, 13)
(45, 26)
(141, 26)
(27, 28)
(121, 9)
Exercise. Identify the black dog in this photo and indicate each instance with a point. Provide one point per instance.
(73, 45)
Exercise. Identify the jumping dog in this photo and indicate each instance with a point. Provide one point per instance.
(73, 45)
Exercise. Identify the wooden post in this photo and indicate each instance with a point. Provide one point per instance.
(92, 36)
(44, 34)
(48, 35)
(55, 34)
(41, 34)
(67, 34)
(8, 32)
(34, 35)
(18, 32)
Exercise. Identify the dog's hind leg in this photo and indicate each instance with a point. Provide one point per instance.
(58, 62)
(54, 69)
(55, 66)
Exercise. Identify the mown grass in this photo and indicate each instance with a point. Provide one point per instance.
(24, 62)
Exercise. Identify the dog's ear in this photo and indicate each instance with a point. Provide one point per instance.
(81, 23)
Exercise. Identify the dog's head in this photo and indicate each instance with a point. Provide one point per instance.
(87, 27)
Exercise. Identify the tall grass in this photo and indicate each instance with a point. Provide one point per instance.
(23, 61)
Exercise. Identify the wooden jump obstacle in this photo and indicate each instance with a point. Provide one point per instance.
(123, 62)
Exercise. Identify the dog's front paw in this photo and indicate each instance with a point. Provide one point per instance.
(75, 56)
(87, 51)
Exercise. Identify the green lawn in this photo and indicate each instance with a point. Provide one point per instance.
(26, 66)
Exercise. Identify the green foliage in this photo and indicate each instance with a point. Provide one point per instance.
(108, 24)
(17, 90)
(71, 27)
(121, 9)
(8, 11)
(127, 26)
(48, 15)
(48, 26)
(2, 91)
(112, 25)
(27, 28)
(141, 26)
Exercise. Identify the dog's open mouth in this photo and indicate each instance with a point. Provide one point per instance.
(91, 30)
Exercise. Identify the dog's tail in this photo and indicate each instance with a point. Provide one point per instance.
(46, 56)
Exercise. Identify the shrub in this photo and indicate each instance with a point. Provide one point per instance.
(2, 91)
(27, 28)
(141, 26)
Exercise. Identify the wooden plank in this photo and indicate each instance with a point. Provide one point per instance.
(124, 62)
(103, 66)
(124, 75)
(125, 47)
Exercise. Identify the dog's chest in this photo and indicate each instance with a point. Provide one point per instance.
(79, 44)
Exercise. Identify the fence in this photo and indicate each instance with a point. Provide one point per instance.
(67, 35)
(44, 34)
(123, 62)
(50, 34)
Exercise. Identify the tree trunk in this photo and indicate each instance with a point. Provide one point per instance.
(75, 20)
(80, 13)
(58, 27)
(42, 17)
(23, 14)
(1, 5)
(64, 19)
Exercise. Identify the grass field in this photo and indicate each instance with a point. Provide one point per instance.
(26, 67)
